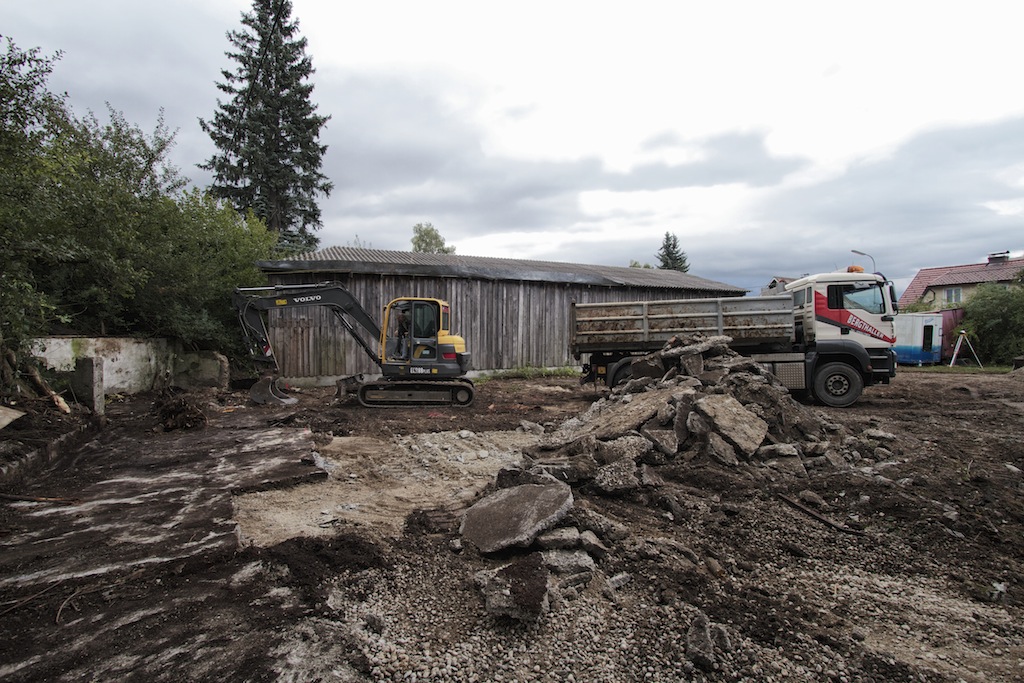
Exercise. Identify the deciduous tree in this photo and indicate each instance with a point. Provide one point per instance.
(427, 240)
(994, 317)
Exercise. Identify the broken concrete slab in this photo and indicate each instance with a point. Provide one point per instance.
(630, 416)
(514, 517)
(587, 519)
(617, 478)
(568, 561)
(518, 590)
(560, 538)
(626, 446)
(740, 427)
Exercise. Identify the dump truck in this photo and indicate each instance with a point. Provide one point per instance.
(422, 363)
(827, 335)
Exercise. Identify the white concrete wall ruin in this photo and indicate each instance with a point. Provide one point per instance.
(131, 365)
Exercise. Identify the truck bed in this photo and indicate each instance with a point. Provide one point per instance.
(646, 325)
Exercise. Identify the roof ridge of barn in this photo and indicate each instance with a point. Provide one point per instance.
(361, 260)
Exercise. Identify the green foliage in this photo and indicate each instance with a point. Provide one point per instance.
(637, 264)
(30, 119)
(98, 235)
(427, 240)
(670, 256)
(269, 159)
(198, 250)
(994, 319)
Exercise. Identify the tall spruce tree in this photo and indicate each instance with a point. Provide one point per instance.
(269, 159)
(670, 256)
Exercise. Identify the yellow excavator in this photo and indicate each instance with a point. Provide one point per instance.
(420, 360)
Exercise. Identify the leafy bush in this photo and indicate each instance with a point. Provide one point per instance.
(994, 319)
(99, 234)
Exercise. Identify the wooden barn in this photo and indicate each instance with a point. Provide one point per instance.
(512, 313)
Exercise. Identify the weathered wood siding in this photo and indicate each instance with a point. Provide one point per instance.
(506, 324)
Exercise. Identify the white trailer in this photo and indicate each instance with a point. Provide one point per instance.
(919, 338)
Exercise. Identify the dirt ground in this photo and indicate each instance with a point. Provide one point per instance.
(319, 542)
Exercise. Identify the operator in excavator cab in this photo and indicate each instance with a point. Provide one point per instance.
(402, 350)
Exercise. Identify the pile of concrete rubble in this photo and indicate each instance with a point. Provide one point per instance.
(693, 404)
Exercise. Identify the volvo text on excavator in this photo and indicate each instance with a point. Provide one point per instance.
(420, 360)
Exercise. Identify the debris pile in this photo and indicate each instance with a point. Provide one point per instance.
(694, 406)
(177, 410)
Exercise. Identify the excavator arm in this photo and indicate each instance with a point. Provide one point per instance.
(253, 302)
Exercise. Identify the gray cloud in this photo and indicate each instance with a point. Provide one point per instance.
(399, 154)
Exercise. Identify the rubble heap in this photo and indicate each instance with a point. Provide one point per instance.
(694, 406)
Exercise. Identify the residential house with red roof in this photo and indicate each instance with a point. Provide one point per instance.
(949, 286)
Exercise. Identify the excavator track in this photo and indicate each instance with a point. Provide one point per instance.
(402, 393)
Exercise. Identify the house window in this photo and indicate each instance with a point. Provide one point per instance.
(954, 295)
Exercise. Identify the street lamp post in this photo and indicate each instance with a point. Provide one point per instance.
(861, 253)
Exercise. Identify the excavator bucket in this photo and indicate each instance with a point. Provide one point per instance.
(267, 392)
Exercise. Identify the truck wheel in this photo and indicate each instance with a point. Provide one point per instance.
(838, 385)
(620, 373)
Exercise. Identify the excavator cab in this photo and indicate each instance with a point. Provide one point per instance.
(416, 340)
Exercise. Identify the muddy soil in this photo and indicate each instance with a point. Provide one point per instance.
(319, 542)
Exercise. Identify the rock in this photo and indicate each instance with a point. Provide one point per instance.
(779, 450)
(648, 366)
(700, 649)
(813, 499)
(562, 537)
(617, 478)
(665, 442)
(649, 477)
(666, 413)
(531, 427)
(789, 466)
(736, 424)
(720, 450)
(697, 425)
(518, 590)
(712, 377)
(514, 475)
(878, 435)
(720, 637)
(692, 364)
(592, 544)
(836, 460)
(515, 516)
(709, 346)
(567, 561)
(627, 446)
(619, 580)
(629, 417)
(586, 519)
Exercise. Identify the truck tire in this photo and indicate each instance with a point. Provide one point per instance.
(838, 385)
(620, 373)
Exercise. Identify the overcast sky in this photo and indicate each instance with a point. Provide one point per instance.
(772, 138)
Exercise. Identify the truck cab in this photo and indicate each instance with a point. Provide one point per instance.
(844, 322)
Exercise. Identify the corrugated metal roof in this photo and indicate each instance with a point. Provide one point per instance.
(357, 260)
(968, 274)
